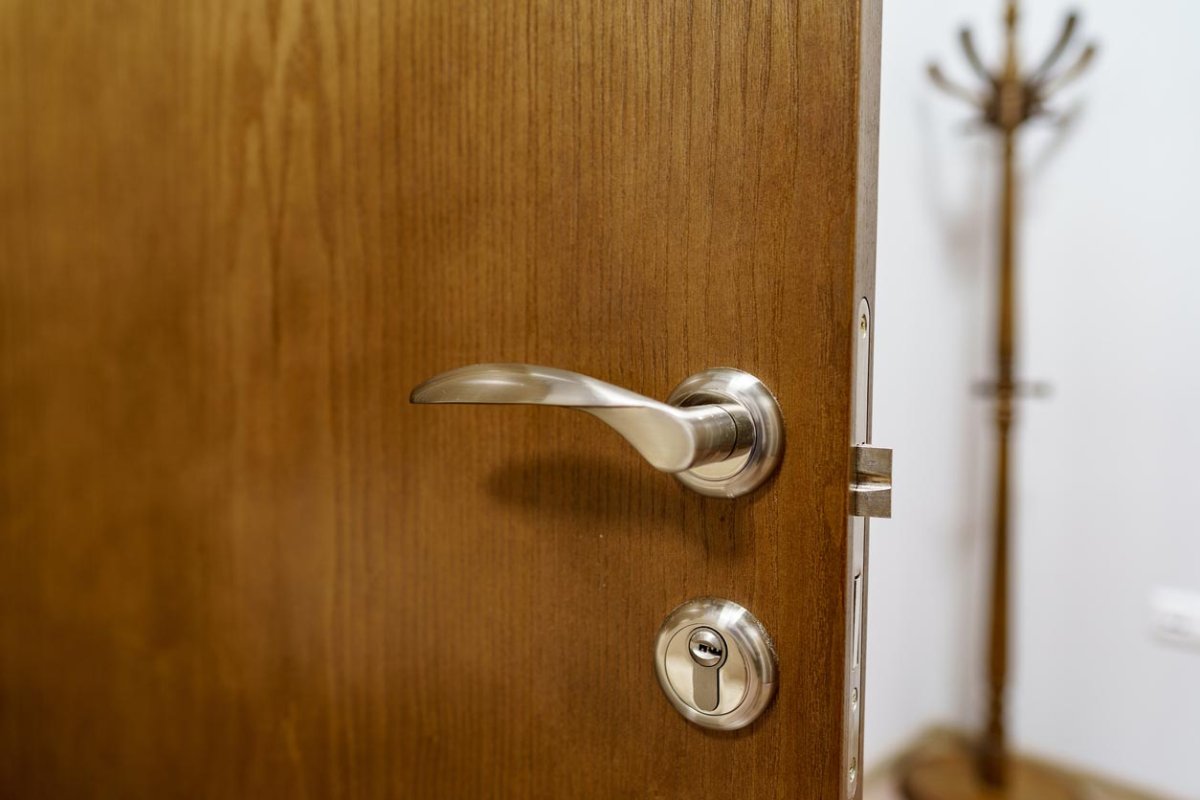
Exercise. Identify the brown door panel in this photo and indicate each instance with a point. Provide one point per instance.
(233, 237)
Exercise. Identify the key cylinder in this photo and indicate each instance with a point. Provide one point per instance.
(707, 649)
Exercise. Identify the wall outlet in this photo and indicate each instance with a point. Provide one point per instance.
(1175, 616)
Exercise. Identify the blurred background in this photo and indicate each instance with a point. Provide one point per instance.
(1107, 266)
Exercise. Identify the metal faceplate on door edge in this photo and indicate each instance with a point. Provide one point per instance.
(870, 496)
(716, 663)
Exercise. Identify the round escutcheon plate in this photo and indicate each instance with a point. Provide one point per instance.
(744, 682)
(744, 474)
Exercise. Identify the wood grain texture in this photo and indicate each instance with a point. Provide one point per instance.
(234, 235)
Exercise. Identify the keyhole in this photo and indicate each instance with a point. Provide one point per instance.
(707, 649)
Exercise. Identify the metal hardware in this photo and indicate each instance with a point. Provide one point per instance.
(858, 533)
(742, 472)
(871, 491)
(716, 663)
(720, 431)
(707, 649)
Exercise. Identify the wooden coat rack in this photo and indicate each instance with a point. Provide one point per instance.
(1009, 98)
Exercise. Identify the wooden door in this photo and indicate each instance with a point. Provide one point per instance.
(234, 235)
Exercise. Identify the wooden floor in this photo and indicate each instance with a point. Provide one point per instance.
(945, 751)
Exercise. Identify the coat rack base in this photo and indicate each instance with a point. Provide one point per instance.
(943, 768)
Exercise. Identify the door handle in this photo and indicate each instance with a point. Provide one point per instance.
(720, 431)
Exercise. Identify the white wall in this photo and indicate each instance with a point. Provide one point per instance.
(1106, 467)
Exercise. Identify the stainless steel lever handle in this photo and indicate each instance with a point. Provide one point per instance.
(720, 432)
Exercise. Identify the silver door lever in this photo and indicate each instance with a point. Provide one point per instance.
(720, 432)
